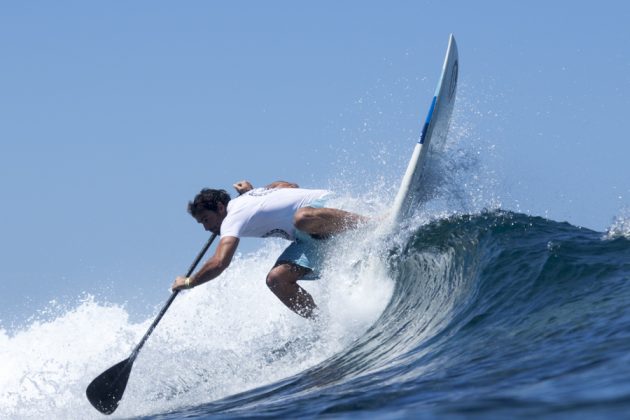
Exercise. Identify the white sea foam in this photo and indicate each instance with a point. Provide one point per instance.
(214, 341)
(620, 226)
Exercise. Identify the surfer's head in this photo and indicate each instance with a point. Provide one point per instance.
(210, 208)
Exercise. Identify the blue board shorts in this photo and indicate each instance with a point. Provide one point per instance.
(306, 251)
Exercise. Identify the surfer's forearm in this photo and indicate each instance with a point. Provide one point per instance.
(213, 267)
(210, 271)
(218, 263)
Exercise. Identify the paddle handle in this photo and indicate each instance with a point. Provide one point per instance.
(170, 300)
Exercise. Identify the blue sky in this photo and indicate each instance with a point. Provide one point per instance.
(114, 114)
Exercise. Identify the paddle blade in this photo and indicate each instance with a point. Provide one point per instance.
(107, 389)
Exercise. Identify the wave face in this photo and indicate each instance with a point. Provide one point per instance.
(496, 313)
(493, 313)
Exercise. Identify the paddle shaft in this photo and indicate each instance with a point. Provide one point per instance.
(170, 300)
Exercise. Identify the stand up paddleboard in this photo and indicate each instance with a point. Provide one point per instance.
(436, 125)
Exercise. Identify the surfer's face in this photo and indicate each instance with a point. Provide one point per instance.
(211, 220)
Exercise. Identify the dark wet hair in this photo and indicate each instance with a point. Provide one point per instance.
(208, 199)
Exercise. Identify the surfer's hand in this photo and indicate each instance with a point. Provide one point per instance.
(181, 283)
(242, 187)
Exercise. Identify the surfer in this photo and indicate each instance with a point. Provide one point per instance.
(281, 209)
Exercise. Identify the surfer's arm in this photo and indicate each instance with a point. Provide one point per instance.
(213, 267)
(282, 184)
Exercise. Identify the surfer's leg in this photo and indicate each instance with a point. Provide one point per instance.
(326, 221)
(282, 280)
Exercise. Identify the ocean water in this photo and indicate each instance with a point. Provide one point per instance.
(468, 311)
(489, 314)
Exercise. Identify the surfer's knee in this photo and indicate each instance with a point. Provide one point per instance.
(277, 277)
(303, 218)
(273, 281)
(284, 275)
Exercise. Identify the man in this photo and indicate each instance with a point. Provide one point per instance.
(281, 209)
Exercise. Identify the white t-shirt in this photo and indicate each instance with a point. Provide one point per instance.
(262, 212)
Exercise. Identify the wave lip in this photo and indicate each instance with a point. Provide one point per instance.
(492, 313)
(620, 226)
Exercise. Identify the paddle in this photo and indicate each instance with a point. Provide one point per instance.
(107, 389)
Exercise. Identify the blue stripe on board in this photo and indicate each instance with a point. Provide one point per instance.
(426, 123)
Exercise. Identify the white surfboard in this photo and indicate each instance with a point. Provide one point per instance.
(436, 126)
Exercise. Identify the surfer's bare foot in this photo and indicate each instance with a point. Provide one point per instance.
(282, 281)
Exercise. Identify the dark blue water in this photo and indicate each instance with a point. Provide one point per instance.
(496, 314)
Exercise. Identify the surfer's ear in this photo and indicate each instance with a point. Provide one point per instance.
(221, 209)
